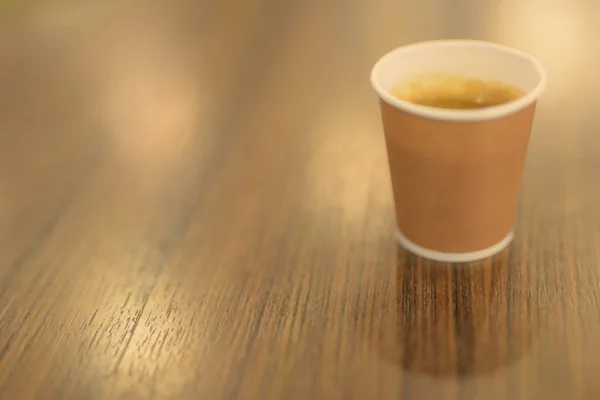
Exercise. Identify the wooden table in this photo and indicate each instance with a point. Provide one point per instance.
(195, 204)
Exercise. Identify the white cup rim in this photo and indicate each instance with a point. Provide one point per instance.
(471, 115)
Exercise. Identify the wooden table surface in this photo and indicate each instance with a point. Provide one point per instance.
(195, 204)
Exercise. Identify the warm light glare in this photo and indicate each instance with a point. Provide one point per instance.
(347, 172)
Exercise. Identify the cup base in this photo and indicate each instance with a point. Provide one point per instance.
(453, 257)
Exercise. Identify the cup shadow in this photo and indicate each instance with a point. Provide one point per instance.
(462, 320)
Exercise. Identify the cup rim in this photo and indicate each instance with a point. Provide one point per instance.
(470, 115)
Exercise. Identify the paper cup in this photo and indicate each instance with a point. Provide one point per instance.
(456, 173)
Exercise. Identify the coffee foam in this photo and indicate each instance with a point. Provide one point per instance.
(447, 85)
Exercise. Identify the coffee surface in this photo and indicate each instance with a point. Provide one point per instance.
(455, 91)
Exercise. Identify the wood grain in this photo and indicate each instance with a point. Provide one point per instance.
(195, 204)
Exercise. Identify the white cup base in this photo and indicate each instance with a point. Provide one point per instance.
(453, 257)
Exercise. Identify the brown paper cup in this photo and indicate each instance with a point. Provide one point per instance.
(456, 173)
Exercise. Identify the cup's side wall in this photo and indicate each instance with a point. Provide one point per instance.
(456, 184)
